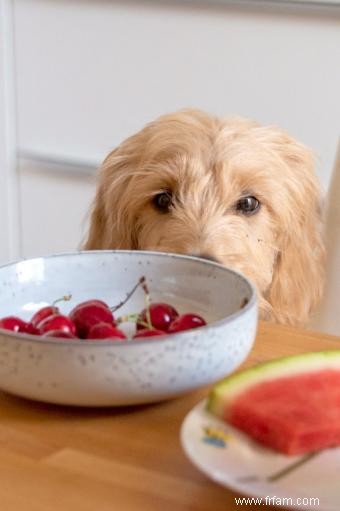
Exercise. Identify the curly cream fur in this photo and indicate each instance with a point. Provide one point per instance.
(209, 163)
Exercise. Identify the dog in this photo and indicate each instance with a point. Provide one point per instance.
(229, 190)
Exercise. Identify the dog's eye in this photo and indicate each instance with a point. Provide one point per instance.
(248, 205)
(163, 201)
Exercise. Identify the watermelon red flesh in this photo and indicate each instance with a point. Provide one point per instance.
(293, 415)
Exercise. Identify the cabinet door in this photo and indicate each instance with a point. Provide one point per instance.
(9, 207)
(54, 207)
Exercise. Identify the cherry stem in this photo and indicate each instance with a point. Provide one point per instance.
(64, 298)
(147, 305)
(133, 318)
(141, 282)
(127, 317)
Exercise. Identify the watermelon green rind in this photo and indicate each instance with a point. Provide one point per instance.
(225, 392)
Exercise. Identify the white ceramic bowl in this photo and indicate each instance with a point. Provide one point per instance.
(104, 373)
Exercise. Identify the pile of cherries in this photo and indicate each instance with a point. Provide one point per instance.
(94, 320)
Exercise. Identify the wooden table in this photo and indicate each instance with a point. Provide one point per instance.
(68, 459)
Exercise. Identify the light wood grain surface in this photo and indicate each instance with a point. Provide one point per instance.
(130, 459)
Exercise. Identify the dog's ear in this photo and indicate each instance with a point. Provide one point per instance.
(112, 222)
(298, 275)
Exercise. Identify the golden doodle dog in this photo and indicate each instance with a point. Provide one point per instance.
(229, 190)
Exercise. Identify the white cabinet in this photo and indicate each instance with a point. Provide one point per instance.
(9, 207)
(54, 207)
(90, 73)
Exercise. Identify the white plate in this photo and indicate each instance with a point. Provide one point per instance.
(230, 458)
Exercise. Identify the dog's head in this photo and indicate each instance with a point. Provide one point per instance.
(226, 189)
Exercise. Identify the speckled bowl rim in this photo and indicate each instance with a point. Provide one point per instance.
(141, 341)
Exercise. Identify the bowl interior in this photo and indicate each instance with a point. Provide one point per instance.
(189, 284)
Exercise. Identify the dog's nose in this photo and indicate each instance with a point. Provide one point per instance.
(209, 257)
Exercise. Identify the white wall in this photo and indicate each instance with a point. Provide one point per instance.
(90, 73)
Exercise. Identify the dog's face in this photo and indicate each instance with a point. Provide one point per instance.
(229, 190)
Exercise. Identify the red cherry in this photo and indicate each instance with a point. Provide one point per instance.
(93, 302)
(148, 332)
(161, 315)
(57, 322)
(42, 314)
(185, 322)
(31, 329)
(89, 303)
(105, 331)
(59, 333)
(89, 313)
(47, 311)
(14, 324)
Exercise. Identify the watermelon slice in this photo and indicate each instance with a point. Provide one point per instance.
(290, 404)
